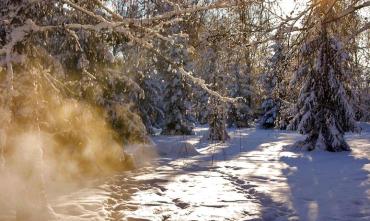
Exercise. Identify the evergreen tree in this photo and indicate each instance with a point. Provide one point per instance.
(179, 117)
(324, 111)
(239, 112)
(271, 81)
(217, 117)
(276, 110)
(177, 106)
(151, 105)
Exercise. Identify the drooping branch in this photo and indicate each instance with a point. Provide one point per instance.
(123, 26)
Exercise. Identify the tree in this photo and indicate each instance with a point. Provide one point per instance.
(239, 69)
(324, 108)
(151, 106)
(179, 117)
(217, 116)
(271, 81)
(61, 78)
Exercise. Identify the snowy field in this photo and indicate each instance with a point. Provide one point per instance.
(254, 176)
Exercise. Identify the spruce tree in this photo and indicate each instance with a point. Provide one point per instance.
(271, 81)
(177, 106)
(179, 119)
(324, 111)
(239, 112)
(217, 121)
(217, 117)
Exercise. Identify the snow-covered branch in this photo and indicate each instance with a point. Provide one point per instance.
(125, 26)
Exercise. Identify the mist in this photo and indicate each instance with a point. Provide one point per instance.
(50, 143)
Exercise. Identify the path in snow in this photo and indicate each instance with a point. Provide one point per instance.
(252, 177)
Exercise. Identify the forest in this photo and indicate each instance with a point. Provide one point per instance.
(184, 110)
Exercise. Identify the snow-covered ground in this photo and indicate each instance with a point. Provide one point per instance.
(254, 176)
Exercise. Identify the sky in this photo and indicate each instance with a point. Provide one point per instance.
(288, 5)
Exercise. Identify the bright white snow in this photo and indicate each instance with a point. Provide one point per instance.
(252, 177)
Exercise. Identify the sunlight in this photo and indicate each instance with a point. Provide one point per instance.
(288, 6)
(184, 110)
(200, 193)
